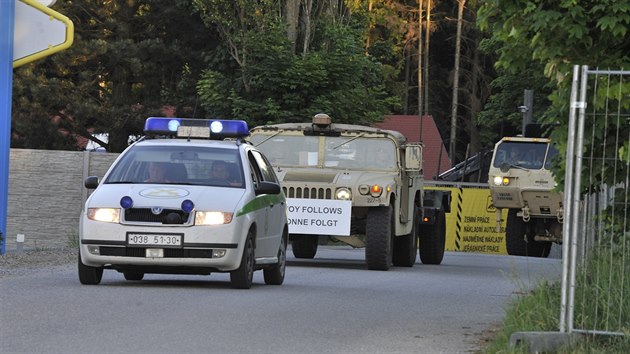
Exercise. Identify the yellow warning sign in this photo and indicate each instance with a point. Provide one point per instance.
(471, 226)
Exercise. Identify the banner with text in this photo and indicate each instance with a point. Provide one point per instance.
(471, 226)
(319, 217)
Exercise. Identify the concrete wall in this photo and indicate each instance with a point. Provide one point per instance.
(46, 194)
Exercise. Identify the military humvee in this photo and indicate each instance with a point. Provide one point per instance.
(359, 185)
(521, 181)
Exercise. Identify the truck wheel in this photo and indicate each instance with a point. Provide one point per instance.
(406, 246)
(379, 239)
(433, 240)
(89, 275)
(243, 277)
(304, 246)
(519, 238)
(274, 275)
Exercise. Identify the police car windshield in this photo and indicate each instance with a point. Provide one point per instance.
(339, 152)
(529, 155)
(202, 166)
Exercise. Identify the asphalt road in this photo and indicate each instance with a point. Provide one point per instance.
(331, 304)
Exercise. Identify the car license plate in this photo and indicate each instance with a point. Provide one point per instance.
(145, 239)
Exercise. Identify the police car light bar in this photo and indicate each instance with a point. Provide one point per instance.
(196, 128)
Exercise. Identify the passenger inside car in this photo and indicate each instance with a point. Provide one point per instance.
(157, 173)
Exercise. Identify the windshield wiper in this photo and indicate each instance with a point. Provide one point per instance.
(507, 165)
(347, 141)
(270, 136)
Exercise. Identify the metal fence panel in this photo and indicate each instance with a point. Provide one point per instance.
(596, 274)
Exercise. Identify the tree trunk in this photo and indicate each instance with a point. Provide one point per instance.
(474, 101)
(292, 14)
(458, 41)
(307, 6)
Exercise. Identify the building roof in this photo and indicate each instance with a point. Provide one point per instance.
(436, 158)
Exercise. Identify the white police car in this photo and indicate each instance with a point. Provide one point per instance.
(160, 209)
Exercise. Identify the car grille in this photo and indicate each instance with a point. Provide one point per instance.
(308, 193)
(146, 215)
(168, 252)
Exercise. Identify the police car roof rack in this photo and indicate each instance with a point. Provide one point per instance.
(192, 128)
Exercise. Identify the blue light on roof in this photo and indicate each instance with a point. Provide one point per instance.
(196, 128)
(157, 125)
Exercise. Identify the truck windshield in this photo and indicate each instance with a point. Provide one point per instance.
(338, 152)
(529, 155)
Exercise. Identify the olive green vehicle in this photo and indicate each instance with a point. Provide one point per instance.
(521, 181)
(359, 185)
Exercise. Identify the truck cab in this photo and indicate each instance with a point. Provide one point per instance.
(520, 180)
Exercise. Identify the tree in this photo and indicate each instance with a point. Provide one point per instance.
(559, 35)
(129, 60)
(269, 82)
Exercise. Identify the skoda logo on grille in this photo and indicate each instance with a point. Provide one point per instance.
(156, 210)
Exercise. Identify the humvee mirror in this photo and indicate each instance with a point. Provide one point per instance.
(413, 157)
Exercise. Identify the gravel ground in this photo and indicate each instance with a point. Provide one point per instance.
(14, 263)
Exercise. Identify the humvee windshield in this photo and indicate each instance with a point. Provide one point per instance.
(339, 152)
(529, 155)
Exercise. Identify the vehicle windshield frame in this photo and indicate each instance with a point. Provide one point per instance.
(531, 155)
(184, 165)
(335, 152)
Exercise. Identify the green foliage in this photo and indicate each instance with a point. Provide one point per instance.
(129, 60)
(539, 310)
(558, 35)
(275, 85)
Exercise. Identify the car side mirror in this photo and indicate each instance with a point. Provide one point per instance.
(267, 188)
(91, 182)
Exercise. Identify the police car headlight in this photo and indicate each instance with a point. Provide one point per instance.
(212, 218)
(343, 194)
(104, 214)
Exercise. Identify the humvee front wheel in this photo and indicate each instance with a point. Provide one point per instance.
(304, 246)
(433, 240)
(519, 239)
(379, 239)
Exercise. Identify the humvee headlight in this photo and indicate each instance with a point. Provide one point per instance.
(501, 181)
(212, 218)
(376, 191)
(343, 194)
(104, 214)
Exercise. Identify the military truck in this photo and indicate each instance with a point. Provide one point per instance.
(521, 181)
(358, 185)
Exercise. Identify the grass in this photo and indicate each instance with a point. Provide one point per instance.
(73, 240)
(601, 303)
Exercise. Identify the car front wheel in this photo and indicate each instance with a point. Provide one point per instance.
(89, 275)
(274, 275)
(243, 277)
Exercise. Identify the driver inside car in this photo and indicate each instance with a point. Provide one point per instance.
(220, 173)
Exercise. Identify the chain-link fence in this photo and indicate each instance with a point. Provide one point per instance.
(596, 247)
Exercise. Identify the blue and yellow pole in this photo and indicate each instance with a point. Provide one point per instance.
(7, 20)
